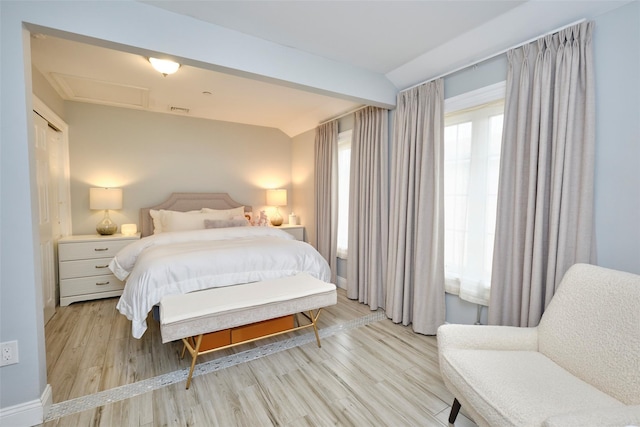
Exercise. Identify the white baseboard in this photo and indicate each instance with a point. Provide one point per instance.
(28, 413)
(342, 282)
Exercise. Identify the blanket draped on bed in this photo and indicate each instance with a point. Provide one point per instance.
(187, 261)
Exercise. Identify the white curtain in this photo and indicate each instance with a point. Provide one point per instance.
(326, 193)
(545, 202)
(472, 162)
(368, 207)
(415, 277)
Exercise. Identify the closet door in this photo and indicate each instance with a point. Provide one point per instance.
(45, 144)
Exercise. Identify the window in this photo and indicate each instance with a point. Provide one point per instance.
(472, 143)
(344, 167)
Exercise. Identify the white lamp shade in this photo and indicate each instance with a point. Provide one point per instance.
(277, 197)
(105, 198)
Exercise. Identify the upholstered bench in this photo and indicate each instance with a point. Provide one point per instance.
(189, 317)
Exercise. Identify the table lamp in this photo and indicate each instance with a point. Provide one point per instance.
(105, 198)
(277, 198)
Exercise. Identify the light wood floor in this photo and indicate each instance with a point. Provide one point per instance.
(380, 374)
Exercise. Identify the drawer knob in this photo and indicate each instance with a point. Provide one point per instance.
(101, 249)
(102, 266)
(102, 283)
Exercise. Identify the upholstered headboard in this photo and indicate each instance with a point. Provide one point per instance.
(184, 202)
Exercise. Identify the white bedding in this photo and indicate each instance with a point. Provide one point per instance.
(187, 261)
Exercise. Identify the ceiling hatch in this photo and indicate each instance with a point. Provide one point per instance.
(82, 89)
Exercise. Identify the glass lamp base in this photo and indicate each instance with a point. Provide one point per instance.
(276, 219)
(106, 226)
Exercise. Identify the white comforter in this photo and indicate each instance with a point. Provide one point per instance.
(187, 261)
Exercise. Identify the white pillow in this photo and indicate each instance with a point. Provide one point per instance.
(158, 218)
(181, 221)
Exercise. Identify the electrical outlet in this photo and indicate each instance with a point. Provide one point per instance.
(8, 353)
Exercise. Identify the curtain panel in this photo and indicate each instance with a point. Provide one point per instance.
(415, 277)
(326, 193)
(369, 207)
(544, 218)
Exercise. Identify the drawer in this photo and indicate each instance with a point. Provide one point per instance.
(88, 250)
(84, 267)
(90, 285)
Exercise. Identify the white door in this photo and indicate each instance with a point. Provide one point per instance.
(45, 146)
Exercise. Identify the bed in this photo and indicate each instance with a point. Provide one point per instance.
(180, 261)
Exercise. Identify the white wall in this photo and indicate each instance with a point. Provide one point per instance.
(47, 94)
(303, 180)
(151, 155)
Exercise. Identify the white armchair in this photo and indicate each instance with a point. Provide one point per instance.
(579, 367)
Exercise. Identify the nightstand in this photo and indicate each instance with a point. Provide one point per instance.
(296, 231)
(84, 266)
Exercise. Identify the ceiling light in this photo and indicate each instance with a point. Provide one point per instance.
(164, 66)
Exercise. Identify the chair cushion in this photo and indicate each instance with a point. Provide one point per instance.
(518, 388)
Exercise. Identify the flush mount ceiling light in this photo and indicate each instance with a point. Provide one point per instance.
(164, 66)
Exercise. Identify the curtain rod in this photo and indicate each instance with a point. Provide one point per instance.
(495, 54)
(343, 114)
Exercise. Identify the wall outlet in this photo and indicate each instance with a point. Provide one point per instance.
(8, 353)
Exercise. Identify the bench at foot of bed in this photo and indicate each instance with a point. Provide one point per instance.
(192, 317)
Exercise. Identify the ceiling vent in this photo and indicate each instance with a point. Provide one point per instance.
(180, 110)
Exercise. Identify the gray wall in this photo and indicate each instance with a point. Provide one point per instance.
(151, 155)
(617, 185)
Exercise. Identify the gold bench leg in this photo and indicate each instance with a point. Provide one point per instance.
(194, 356)
(193, 345)
(314, 322)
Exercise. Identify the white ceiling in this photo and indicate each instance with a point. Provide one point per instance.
(404, 41)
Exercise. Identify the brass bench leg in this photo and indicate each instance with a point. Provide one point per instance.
(314, 321)
(194, 356)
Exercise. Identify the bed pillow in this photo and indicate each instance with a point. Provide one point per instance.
(181, 221)
(225, 223)
(158, 218)
(226, 213)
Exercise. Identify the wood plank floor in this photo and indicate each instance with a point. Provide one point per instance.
(379, 374)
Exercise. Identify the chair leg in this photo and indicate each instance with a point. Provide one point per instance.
(455, 408)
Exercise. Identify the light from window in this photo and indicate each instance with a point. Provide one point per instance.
(472, 143)
(344, 167)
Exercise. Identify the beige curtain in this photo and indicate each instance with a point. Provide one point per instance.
(415, 277)
(326, 189)
(368, 207)
(545, 199)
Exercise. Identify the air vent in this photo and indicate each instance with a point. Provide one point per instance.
(180, 110)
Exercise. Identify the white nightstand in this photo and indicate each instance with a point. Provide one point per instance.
(296, 231)
(84, 266)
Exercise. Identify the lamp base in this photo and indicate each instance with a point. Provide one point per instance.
(276, 219)
(106, 227)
